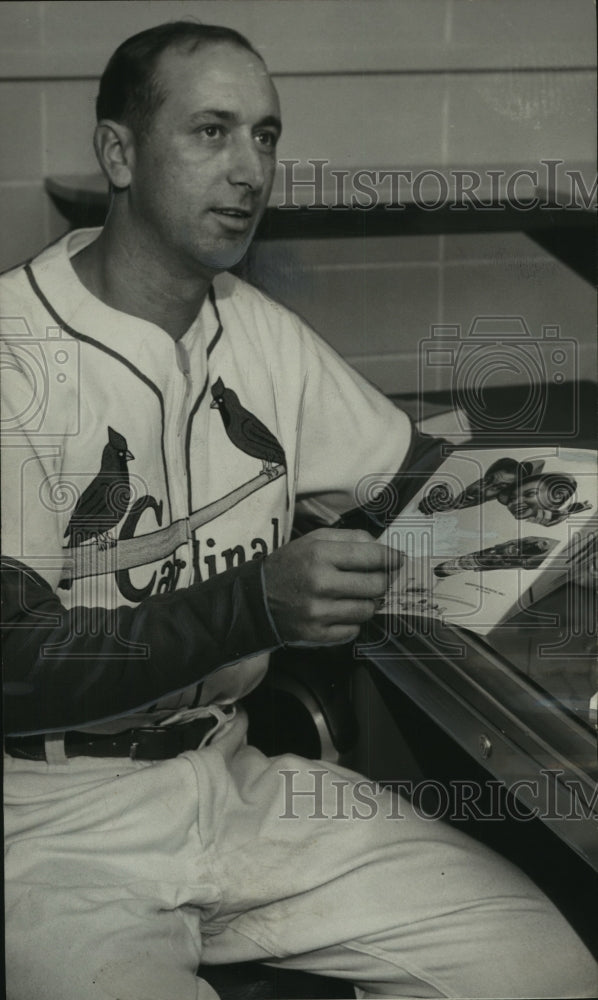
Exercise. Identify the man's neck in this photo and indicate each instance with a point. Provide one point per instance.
(113, 269)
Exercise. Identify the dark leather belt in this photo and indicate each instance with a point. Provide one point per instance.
(145, 743)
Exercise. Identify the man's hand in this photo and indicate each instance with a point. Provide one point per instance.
(323, 586)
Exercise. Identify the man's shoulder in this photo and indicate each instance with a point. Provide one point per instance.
(14, 277)
(25, 312)
(19, 280)
(252, 303)
(15, 292)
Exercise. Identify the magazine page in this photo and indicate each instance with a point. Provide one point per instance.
(491, 531)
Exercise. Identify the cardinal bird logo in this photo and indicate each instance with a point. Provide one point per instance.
(105, 501)
(245, 431)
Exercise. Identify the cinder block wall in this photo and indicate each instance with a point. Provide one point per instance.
(490, 84)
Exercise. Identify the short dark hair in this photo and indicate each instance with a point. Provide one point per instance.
(130, 90)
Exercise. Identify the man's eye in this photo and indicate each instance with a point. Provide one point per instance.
(267, 139)
(211, 131)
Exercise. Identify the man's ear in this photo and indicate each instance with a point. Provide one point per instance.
(115, 150)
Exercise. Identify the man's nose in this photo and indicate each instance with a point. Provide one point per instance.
(247, 164)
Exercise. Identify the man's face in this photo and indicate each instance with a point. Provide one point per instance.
(203, 173)
(501, 479)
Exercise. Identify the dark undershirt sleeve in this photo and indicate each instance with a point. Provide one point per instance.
(425, 455)
(65, 669)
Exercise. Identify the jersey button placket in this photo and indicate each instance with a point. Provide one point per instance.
(180, 387)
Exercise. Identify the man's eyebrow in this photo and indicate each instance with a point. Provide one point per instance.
(213, 113)
(269, 121)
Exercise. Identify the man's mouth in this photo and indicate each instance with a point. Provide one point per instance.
(236, 220)
(233, 213)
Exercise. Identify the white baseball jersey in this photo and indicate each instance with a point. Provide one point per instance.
(147, 478)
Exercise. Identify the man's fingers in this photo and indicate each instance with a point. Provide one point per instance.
(354, 550)
(337, 621)
(363, 556)
(341, 535)
(323, 586)
(340, 633)
(347, 612)
(349, 584)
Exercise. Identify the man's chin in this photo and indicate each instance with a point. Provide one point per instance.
(223, 257)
